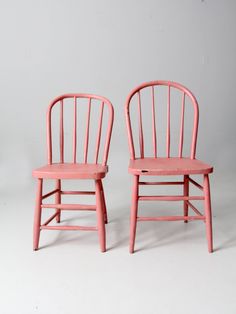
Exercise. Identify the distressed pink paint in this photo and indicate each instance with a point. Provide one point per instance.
(74, 170)
(141, 165)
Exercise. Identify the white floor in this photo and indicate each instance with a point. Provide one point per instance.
(171, 271)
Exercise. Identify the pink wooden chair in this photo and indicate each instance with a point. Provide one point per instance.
(154, 165)
(73, 169)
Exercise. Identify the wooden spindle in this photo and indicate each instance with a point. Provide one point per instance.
(61, 132)
(87, 133)
(181, 138)
(75, 131)
(49, 135)
(140, 127)
(99, 133)
(168, 125)
(154, 125)
(195, 130)
(108, 136)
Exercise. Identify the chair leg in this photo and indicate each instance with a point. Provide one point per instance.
(208, 215)
(37, 215)
(103, 202)
(100, 216)
(186, 193)
(58, 200)
(133, 214)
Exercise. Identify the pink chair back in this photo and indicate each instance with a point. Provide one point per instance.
(80, 107)
(152, 89)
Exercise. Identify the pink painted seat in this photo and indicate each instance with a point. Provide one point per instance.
(71, 171)
(144, 100)
(87, 159)
(168, 166)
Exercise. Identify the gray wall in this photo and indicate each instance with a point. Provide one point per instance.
(108, 47)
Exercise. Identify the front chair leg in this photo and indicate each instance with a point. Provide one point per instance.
(37, 215)
(103, 202)
(58, 200)
(133, 214)
(100, 217)
(208, 215)
(186, 193)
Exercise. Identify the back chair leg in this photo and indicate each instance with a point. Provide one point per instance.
(207, 195)
(186, 193)
(103, 202)
(133, 215)
(100, 216)
(37, 215)
(58, 200)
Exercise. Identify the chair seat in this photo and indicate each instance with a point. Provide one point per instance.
(168, 166)
(71, 171)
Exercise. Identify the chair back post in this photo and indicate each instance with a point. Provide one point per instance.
(185, 91)
(109, 130)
